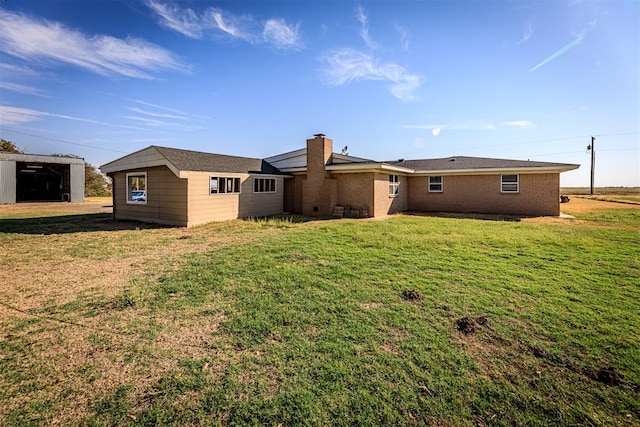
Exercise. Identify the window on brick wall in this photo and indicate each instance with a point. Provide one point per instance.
(394, 185)
(509, 184)
(224, 185)
(435, 184)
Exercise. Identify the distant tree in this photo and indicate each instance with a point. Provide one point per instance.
(95, 183)
(10, 147)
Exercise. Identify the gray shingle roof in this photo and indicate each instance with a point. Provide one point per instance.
(463, 162)
(208, 162)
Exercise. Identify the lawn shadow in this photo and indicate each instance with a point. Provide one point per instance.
(78, 223)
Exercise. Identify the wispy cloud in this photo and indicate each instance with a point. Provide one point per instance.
(579, 38)
(20, 88)
(231, 25)
(364, 30)
(343, 66)
(38, 40)
(215, 22)
(282, 36)
(17, 115)
(184, 21)
(521, 124)
(156, 114)
(528, 32)
(17, 70)
(405, 37)
(161, 107)
(475, 125)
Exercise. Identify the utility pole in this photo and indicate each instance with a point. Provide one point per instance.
(593, 162)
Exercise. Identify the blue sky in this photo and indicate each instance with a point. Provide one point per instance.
(389, 79)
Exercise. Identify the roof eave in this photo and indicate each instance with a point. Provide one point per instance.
(367, 167)
(493, 171)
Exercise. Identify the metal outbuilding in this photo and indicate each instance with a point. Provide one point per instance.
(40, 178)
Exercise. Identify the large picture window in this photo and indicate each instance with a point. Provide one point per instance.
(224, 185)
(394, 185)
(435, 184)
(264, 185)
(137, 188)
(509, 184)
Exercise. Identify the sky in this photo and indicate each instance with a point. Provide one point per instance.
(388, 79)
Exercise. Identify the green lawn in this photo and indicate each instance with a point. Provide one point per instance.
(306, 324)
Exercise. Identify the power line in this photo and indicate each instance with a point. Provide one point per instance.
(63, 141)
(529, 142)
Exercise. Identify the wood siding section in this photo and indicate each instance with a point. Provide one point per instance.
(148, 157)
(205, 207)
(538, 196)
(166, 198)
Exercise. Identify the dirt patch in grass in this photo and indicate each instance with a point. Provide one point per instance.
(84, 292)
(411, 295)
(580, 205)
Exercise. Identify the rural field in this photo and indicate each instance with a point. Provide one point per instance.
(443, 320)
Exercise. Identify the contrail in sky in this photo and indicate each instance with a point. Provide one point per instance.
(558, 53)
(564, 49)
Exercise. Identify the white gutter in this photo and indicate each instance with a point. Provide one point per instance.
(360, 167)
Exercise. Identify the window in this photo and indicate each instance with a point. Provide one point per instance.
(264, 185)
(509, 184)
(394, 185)
(435, 184)
(224, 185)
(137, 188)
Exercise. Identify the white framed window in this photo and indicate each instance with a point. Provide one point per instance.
(509, 183)
(224, 185)
(394, 185)
(137, 188)
(264, 185)
(435, 184)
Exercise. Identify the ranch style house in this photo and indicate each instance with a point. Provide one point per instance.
(187, 188)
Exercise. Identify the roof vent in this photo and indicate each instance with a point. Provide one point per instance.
(401, 160)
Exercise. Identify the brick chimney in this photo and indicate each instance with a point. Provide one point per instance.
(319, 151)
(319, 191)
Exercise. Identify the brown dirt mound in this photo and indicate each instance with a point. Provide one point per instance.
(411, 295)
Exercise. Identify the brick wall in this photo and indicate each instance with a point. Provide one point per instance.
(356, 190)
(539, 195)
(386, 204)
(319, 190)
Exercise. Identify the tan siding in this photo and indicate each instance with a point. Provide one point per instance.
(204, 207)
(142, 159)
(539, 195)
(261, 204)
(166, 198)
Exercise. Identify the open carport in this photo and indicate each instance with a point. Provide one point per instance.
(39, 178)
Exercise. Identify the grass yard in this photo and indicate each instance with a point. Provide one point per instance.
(411, 320)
